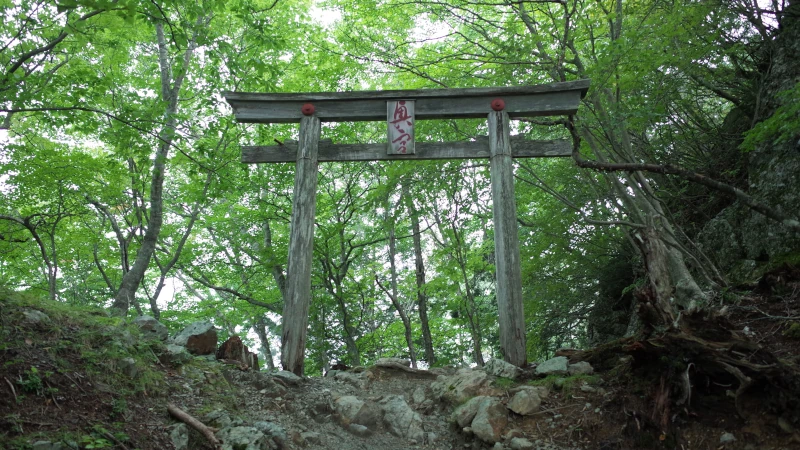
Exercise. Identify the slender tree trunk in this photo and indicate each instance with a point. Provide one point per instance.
(393, 296)
(126, 295)
(419, 264)
(165, 269)
(324, 362)
(260, 327)
(51, 268)
(473, 324)
(349, 334)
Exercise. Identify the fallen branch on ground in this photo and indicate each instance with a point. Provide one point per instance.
(184, 417)
(13, 391)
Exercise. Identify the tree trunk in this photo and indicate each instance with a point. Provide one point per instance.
(126, 294)
(349, 334)
(393, 296)
(419, 264)
(260, 327)
(473, 322)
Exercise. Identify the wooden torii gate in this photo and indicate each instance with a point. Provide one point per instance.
(310, 109)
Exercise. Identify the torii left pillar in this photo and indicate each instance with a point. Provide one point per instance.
(301, 247)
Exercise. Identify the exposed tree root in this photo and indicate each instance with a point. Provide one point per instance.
(704, 356)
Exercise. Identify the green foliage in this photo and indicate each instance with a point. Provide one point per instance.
(780, 127)
(30, 381)
(567, 385)
(792, 331)
(119, 407)
(549, 381)
(99, 438)
(504, 383)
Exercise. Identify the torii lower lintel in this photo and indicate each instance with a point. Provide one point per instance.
(493, 103)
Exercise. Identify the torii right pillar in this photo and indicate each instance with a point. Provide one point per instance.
(506, 241)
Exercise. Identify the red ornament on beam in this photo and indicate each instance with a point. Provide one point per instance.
(307, 109)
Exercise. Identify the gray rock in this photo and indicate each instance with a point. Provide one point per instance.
(500, 368)
(359, 430)
(525, 402)
(541, 391)
(218, 419)
(151, 328)
(581, 368)
(727, 438)
(199, 338)
(274, 431)
(47, 445)
(498, 446)
(400, 419)
(35, 317)
(124, 337)
(490, 420)
(431, 437)
(388, 362)
(519, 443)
(266, 385)
(511, 434)
(773, 178)
(175, 354)
(418, 396)
(128, 367)
(464, 414)
(554, 366)
(354, 410)
(352, 379)
(288, 377)
(465, 384)
(311, 437)
(243, 438)
(179, 435)
(426, 407)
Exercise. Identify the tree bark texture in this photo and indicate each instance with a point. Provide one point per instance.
(419, 265)
(301, 248)
(184, 417)
(506, 243)
(396, 300)
(260, 327)
(126, 294)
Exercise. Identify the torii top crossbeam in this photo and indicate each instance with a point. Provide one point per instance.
(551, 99)
(400, 109)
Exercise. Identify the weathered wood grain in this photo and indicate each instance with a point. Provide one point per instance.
(410, 94)
(506, 242)
(329, 152)
(521, 101)
(301, 246)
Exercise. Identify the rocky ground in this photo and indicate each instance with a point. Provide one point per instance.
(79, 379)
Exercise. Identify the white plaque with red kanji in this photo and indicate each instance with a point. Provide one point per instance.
(400, 120)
